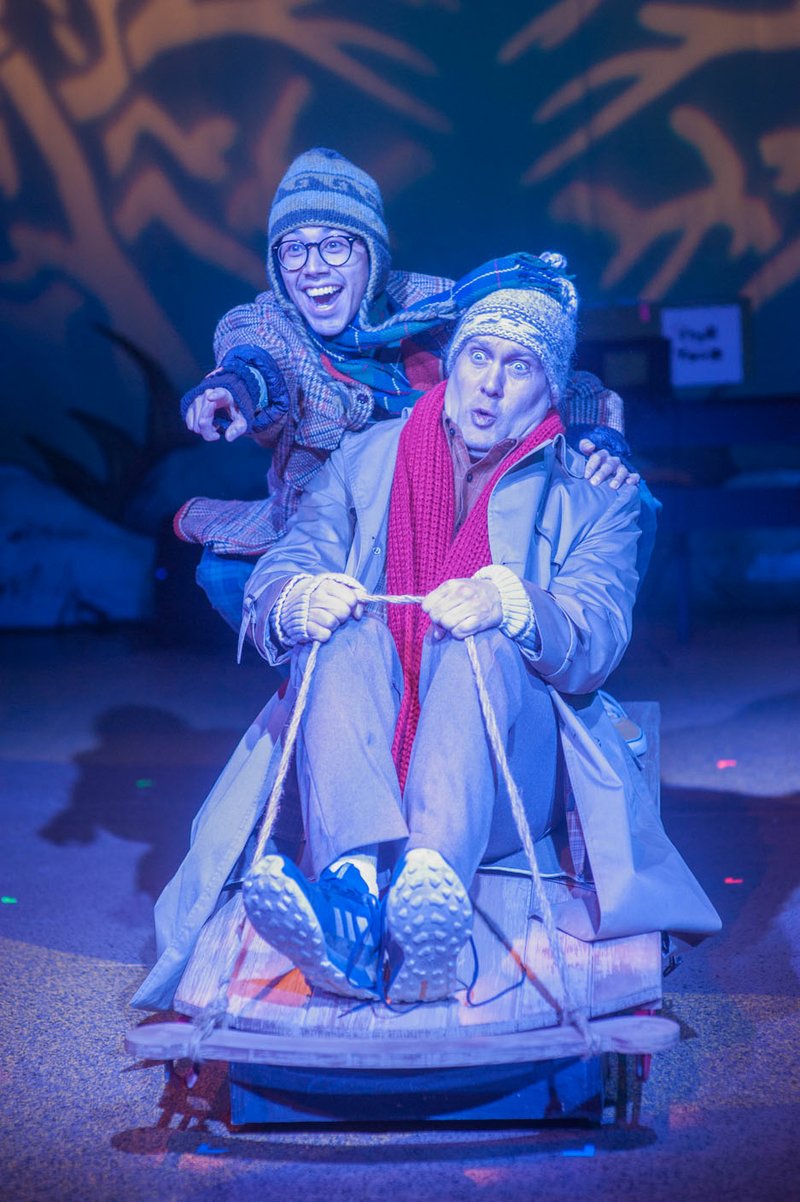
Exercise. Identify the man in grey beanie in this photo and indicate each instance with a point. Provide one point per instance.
(474, 502)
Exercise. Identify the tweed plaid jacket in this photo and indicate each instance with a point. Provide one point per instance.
(295, 406)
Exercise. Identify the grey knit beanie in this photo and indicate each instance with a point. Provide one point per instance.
(322, 187)
(542, 318)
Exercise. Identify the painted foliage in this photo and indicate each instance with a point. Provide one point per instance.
(141, 140)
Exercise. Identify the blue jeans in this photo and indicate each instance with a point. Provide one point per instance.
(222, 578)
(454, 800)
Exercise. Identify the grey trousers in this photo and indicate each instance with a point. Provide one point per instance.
(453, 801)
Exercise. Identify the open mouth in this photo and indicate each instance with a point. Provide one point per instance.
(324, 295)
(483, 419)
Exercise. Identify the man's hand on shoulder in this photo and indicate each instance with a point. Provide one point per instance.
(462, 607)
(202, 414)
(602, 467)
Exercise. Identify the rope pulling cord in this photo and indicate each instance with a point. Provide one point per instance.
(570, 1011)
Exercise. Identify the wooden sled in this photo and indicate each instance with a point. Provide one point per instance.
(495, 1050)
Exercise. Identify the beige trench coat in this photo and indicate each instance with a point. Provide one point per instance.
(574, 545)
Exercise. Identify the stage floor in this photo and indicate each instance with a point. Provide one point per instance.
(109, 742)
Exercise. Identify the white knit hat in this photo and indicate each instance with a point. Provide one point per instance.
(541, 318)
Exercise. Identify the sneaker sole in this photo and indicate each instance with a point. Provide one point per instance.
(429, 917)
(283, 916)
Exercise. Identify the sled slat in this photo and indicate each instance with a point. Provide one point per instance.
(624, 1034)
(516, 988)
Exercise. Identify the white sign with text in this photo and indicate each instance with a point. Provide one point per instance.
(706, 344)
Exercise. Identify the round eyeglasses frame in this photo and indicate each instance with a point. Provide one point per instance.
(336, 261)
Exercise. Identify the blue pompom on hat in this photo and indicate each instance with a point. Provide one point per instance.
(542, 318)
(322, 187)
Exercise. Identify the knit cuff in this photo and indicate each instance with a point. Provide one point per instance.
(267, 394)
(604, 439)
(518, 620)
(254, 381)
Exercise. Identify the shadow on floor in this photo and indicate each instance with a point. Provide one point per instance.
(143, 782)
(183, 1128)
(742, 849)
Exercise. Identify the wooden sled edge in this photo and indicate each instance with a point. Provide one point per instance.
(626, 1034)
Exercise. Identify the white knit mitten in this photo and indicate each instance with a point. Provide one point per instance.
(289, 618)
(518, 619)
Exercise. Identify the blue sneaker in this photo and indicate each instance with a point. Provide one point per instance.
(330, 929)
(428, 919)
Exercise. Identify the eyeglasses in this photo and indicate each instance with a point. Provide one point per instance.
(335, 250)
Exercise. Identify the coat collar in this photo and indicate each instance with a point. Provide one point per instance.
(371, 458)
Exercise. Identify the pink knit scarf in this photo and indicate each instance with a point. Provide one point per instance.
(421, 551)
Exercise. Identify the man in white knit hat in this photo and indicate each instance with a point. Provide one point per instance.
(475, 503)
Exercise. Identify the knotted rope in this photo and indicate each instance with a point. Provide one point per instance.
(569, 1011)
